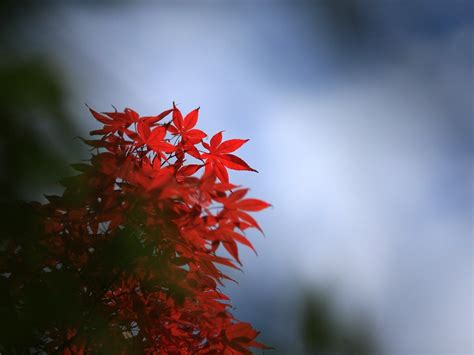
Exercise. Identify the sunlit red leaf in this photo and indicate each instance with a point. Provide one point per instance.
(216, 139)
(231, 145)
(252, 204)
(249, 219)
(234, 162)
(153, 119)
(191, 119)
(190, 169)
(101, 118)
(177, 117)
(241, 330)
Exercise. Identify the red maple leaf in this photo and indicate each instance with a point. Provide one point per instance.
(153, 138)
(185, 127)
(218, 158)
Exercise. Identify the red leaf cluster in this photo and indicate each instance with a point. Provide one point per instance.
(142, 225)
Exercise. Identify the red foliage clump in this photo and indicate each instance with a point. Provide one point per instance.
(140, 229)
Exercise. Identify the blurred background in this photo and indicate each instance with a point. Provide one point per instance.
(359, 115)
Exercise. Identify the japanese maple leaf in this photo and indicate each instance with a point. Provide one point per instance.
(185, 127)
(218, 159)
(154, 138)
(116, 121)
(153, 119)
(236, 208)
